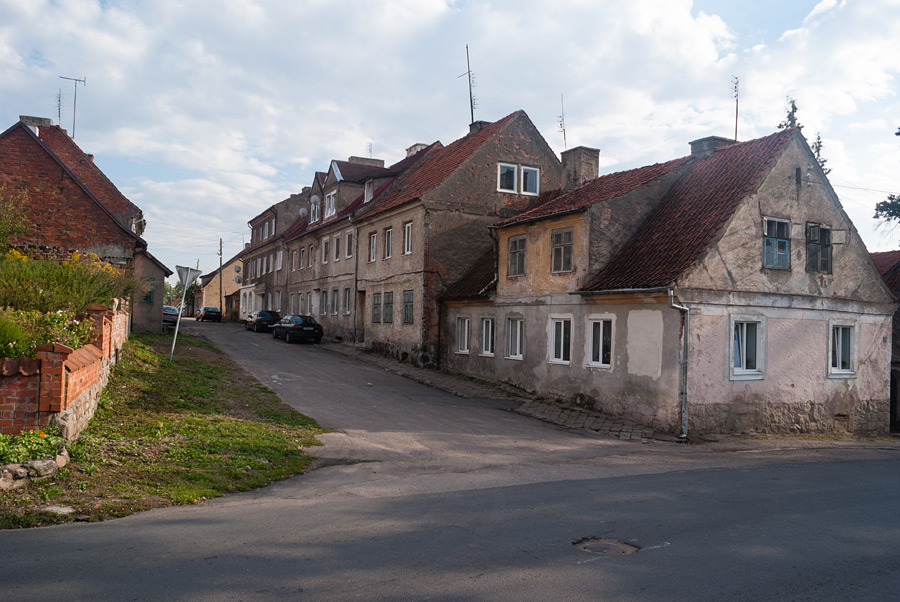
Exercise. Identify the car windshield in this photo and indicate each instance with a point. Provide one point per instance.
(271, 314)
(308, 320)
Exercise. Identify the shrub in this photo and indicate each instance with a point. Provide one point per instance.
(23, 331)
(48, 286)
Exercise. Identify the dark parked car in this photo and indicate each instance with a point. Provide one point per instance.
(298, 328)
(211, 314)
(262, 320)
(170, 314)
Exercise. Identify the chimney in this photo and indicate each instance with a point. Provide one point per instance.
(36, 122)
(366, 161)
(704, 147)
(412, 150)
(476, 126)
(580, 164)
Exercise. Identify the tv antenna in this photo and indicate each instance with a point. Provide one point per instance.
(736, 83)
(562, 120)
(370, 150)
(471, 84)
(83, 82)
(59, 106)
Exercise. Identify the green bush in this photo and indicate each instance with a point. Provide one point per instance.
(48, 286)
(30, 445)
(23, 331)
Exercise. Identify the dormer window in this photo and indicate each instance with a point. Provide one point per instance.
(506, 177)
(330, 203)
(266, 230)
(370, 191)
(313, 209)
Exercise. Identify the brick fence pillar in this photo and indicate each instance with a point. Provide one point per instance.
(102, 317)
(52, 356)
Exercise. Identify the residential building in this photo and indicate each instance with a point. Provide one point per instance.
(888, 265)
(72, 206)
(725, 291)
(220, 287)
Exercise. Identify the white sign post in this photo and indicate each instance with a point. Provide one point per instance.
(185, 276)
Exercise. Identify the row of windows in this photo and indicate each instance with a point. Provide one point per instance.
(777, 245)
(747, 351)
(388, 238)
(599, 342)
(383, 307)
(748, 357)
(264, 231)
(560, 253)
(265, 264)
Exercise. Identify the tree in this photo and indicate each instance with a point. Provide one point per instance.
(790, 121)
(13, 217)
(889, 209)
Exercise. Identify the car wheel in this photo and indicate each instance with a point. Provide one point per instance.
(256, 328)
(318, 340)
(287, 338)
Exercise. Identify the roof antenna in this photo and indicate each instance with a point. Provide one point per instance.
(736, 82)
(370, 150)
(471, 84)
(83, 82)
(59, 106)
(562, 121)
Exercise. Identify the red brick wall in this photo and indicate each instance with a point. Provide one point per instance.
(62, 384)
(63, 217)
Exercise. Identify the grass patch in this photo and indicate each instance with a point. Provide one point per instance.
(168, 433)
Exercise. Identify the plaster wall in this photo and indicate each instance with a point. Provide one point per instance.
(795, 391)
(641, 383)
(147, 317)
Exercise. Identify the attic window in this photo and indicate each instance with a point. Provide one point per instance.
(818, 248)
(530, 177)
(370, 191)
(330, 203)
(776, 243)
(506, 177)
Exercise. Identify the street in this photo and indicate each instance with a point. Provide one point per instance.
(421, 495)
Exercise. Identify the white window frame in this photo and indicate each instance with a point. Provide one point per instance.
(407, 238)
(559, 251)
(279, 260)
(271, 263)
(302, 257)
(323, 303)
(462, 335)
(388, 239)
(277, 300)
(739, 372)
(309, 309)
(488, 337)
(847, 327)
(369, 191)
(336, 241)
(291, 306)
(346, 300)
(537, 180)
(335, 300)
(559, 339)
(514, 349)
(269, 301)
(310, 257)
(314, 209)
(600, 319)
(765, 228)
(266, 230)
(330, 205)
(515, 173)
(324, 250)
(373, 246)
(293, 261)
(509, 256)
(348, 242)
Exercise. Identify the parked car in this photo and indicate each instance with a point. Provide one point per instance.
(298, 328)
(211, 314)
(170, 314)
(262, 320)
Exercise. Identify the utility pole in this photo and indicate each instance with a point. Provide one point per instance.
(221, 276)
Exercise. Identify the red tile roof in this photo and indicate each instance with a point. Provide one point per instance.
(59, 142)
(691, 215)
(438, 167)
(598, 190)
(888, 264)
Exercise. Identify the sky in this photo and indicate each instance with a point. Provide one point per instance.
(205, 113)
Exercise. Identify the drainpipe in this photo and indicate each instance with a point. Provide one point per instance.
(684, 361)
(355, 282)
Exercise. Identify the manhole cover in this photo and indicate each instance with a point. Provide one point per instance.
(605, 546)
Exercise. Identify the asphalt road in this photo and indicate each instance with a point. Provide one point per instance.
(426, 496)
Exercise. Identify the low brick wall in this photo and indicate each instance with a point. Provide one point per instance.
(63, 385)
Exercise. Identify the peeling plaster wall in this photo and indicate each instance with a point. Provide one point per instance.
(642, 383)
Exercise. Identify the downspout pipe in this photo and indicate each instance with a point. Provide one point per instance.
(686, 311)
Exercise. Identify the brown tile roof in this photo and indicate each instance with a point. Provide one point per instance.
(479, 282)
(357, 172)
(888, 263)
(438, 167)
(58, 141)
(598, 190)
(691, 215)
